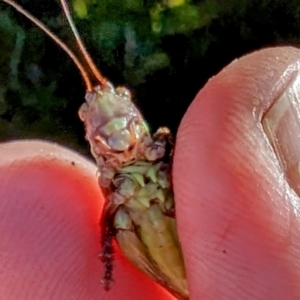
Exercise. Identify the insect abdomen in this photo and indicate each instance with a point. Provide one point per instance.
(145, 231)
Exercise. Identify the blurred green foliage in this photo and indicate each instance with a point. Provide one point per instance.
(164, 50)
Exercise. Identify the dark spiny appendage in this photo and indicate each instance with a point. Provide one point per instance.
(107, 254)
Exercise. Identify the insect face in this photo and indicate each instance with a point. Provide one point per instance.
(111, 119)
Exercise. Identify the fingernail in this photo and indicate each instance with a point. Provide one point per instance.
(282, 127)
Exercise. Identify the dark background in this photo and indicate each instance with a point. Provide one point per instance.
(164, 51)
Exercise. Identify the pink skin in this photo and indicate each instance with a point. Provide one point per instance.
(237, 218)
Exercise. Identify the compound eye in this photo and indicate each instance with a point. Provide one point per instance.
(120, 140)
(123, 92)
(90, 97)
(83, 111)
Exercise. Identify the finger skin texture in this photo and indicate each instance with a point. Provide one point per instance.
(238, 219)
(50, 205)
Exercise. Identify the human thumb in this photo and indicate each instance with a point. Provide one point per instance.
(236, 178)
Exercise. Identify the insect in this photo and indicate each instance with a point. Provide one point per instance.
(134, 174)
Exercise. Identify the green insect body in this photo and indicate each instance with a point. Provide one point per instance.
(134, 174)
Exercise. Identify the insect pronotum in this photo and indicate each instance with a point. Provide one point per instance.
(134, 174)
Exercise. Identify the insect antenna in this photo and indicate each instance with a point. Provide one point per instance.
(57, 40)
(81, 45)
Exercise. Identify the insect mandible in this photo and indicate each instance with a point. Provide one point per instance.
(134, 175)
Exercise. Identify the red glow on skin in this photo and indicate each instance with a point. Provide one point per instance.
(50, 208)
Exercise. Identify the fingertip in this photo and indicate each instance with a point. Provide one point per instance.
(228, 187)
(50, 205)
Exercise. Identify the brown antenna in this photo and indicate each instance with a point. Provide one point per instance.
(81, 45)
(57, 40)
